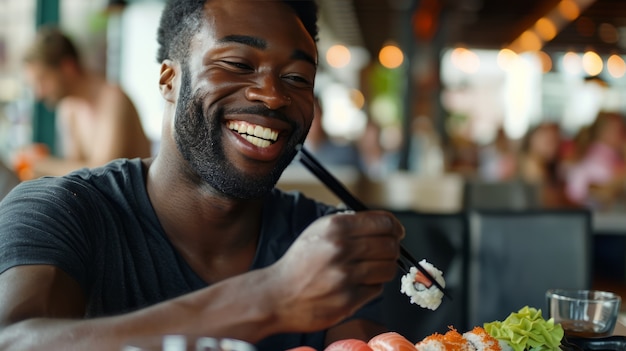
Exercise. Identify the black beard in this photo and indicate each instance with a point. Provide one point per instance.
(198, 136)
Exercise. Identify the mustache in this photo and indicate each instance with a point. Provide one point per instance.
(261, 111)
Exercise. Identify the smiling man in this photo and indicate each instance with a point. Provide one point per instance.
(197, 240)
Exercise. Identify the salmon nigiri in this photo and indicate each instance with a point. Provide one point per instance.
(390, 341)
(302, 348)
(348, 345)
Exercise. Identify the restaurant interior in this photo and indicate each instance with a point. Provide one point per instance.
(471, 120)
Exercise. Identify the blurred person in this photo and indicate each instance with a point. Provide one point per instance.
(96, 121)
(462, 156)
(374, 159)
(197, 240)
(426, 156)
(497, 160)
(597, 178)
(540, 163)
(331, 151)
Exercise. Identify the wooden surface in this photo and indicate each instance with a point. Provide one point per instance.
(620, 328)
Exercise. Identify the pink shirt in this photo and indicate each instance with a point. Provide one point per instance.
(599, 166)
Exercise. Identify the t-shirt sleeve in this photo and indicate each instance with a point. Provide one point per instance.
(39, 225)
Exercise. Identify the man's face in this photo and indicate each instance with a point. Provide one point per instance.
(48, 83)
(246, 96)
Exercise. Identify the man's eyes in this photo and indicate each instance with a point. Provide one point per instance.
(294, 78)
(297, 79)
(238, 65)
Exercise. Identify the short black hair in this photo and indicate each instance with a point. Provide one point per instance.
(180, 19)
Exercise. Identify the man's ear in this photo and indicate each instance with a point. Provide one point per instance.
(167, 81)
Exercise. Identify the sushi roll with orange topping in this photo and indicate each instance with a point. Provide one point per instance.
(450, 341)
(481, 340)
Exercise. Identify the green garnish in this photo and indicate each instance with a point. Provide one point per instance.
(526, 330)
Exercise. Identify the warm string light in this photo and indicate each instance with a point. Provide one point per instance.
(465, 60)
(390, 56)
(592, 63)
(616, 66)
(338, 56)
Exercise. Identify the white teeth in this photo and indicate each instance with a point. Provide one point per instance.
(258, 131)
(266, 133)
(257, 142)
(255, 134)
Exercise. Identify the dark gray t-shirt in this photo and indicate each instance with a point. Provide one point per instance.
(99, 227)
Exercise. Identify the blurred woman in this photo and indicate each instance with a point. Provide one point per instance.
(597, 179)
(539, 163)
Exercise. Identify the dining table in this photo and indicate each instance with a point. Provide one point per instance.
(620, 327)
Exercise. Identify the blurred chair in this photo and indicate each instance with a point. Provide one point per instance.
(442, 240)
(504, 195)
(407, 191)
(515, 256)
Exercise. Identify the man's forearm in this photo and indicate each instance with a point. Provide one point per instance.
(235, 308)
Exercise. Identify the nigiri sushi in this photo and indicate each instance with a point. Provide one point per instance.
(421, 291)
(348, 345)
(390, 341)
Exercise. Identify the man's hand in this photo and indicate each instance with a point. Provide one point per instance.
(339, 263)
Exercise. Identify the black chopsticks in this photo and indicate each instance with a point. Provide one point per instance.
(353, 203)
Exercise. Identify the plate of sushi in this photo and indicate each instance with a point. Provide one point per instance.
(524, 330)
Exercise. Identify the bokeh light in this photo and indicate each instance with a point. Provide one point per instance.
(569, 9)
(465, 60)
(572, 63)
(616, 66)
(505, 58)
(592, 63)
(390, 56)
(338, 56)
(608, 33)
(530, 41)
(545, 28)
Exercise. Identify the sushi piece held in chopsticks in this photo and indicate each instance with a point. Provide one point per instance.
(421, 291)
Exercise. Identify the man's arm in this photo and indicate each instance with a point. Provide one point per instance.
(42, 307)
(333, 269)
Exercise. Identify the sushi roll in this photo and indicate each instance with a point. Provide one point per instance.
(481, 340)
(421, 291)
(450, 341)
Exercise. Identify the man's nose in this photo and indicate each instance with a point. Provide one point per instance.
(269, 91)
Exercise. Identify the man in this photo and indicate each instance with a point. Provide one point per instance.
(97, 121)
(197, 240)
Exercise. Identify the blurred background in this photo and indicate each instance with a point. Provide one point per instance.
(445, 89)
(429, 106)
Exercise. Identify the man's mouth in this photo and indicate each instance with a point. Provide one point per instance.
(254, 134)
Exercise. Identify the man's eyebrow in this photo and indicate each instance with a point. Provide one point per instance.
(301, 55)
(245, 40)
(261, 44)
